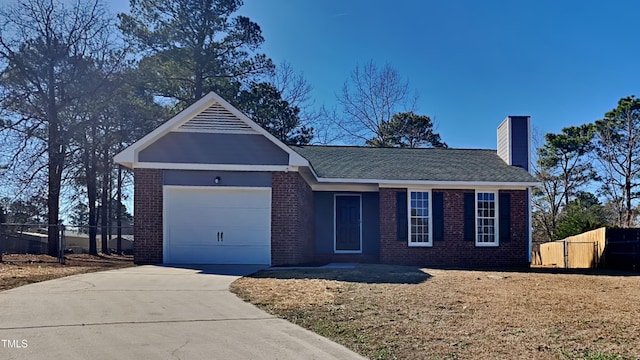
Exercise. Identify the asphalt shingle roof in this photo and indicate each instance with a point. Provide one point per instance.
(349, 162)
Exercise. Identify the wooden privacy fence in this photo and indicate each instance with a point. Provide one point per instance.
(581, 251)
(603, 247)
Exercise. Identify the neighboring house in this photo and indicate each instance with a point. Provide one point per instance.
(79, 242)
(211, 186)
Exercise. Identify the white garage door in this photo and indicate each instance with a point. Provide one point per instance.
(204, 225)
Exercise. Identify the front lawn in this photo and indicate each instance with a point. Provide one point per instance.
(22, 269)
(391, 312)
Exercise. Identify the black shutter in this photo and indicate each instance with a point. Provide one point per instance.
(437, 206)
(401, 216)
(505, 216)
(469, 216)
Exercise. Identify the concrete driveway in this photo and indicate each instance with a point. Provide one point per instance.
(149, 312)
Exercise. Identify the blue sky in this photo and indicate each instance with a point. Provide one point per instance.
(472, 62)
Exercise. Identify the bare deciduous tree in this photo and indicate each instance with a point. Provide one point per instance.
(292, 86)
(45, 49)
(370, 97)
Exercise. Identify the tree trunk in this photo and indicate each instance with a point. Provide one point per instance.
(104, 220)
(109, 209)
(628, 219)
(55, 164)
(53, 198)
(90, 167)
(198, 86)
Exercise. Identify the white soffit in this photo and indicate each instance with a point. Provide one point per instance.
(217, 119)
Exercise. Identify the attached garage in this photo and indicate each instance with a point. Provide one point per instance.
(204, 193)
(216, 225)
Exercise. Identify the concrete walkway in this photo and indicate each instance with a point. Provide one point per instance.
(149, 312)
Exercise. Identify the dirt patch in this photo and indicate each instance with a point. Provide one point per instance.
(18, 269)
(455, 314)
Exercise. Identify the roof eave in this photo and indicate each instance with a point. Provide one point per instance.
(450, 183)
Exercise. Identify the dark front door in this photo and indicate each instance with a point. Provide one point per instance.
(347, 223)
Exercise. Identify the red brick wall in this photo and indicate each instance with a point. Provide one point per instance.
(147, 205)
(454, 251)
(292, 220)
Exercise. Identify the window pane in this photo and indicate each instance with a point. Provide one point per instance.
(419, 216)
(486, 217)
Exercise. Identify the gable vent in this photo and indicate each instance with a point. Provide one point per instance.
(217, 119)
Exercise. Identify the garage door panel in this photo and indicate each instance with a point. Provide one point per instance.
(195, 216)
(246, 255)
(249, 218)
(243, 237)
(193, 238)
(233, 255)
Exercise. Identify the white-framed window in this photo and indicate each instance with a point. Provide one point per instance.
(486, 218)
(420, 228)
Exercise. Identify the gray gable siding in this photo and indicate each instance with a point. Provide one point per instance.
(206, 178)
(211, 148)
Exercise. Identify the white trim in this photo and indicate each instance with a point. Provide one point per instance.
(219, 167)
(529, 166)
(510, 132)
(164, 210)
(496, 222)
(203, 187)
(429, 218)
(165, 238)
(335, 225)
(454, 184)
(313, 171)
(129, 156)
(309, 175)
(530, 229)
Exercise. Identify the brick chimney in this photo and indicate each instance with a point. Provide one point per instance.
(514, 141)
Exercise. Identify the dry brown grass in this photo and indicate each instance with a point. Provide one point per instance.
(455, 314)
(17, 270)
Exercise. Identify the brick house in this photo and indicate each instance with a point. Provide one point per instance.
(213, 187)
